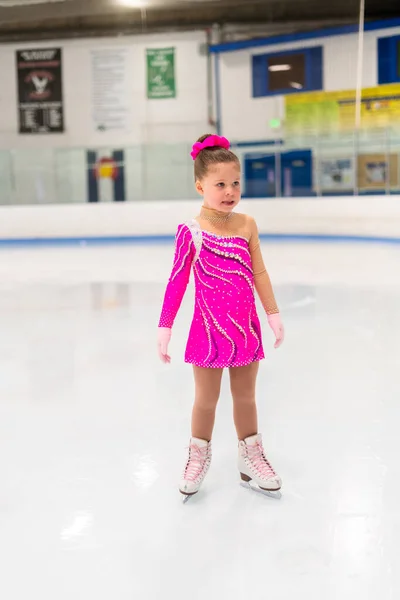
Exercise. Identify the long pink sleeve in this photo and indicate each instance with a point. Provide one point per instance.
(179, 279)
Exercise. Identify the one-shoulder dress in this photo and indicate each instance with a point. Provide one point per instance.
(225, 330)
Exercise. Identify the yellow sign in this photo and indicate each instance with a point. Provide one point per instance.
(334, 112)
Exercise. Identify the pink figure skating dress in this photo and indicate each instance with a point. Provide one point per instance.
(224, 254)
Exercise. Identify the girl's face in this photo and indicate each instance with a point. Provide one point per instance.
(221, 186)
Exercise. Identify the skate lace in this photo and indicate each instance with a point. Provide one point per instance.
(259, 461)
(195, 465)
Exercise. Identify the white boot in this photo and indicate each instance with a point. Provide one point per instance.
(196, 467)
(253, 465)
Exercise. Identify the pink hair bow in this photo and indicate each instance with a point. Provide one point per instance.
(211, 141)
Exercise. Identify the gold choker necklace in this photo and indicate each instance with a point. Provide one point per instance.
(218, 219)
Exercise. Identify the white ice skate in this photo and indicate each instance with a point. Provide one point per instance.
(254, 467)
(196, 467)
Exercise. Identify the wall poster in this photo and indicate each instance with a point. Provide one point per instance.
(334, 112)
(336, 174)
(376, 173)
(40, 97)
(111, 89)
(161, 73)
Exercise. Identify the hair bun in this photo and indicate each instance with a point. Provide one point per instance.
(215, 142)
(217, 152)
(204, 137)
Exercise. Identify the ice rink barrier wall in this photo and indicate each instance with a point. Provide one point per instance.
(372, 218)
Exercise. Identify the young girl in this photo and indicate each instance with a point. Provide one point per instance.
(223, 249)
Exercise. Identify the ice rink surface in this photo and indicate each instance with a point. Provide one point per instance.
(93, 431)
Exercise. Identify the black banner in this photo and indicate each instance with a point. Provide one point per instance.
(40, 91)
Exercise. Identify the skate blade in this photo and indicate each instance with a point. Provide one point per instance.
(254, 488)
(187, 497)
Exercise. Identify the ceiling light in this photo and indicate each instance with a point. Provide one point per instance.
(274, 68)
(134, 3)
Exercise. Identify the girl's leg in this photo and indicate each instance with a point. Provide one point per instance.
(252, 463)
(243, 388)
(207, 390)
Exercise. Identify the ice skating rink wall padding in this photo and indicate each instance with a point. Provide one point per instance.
(366, 218)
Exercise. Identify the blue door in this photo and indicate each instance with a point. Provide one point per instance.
(260, 176)
(296, 172)
(261, 173)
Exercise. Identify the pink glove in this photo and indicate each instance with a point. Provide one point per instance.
(277, 327)
(164, 337)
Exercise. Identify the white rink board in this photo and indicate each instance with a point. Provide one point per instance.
(372, 216)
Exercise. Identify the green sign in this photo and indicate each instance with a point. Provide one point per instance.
(161, 73)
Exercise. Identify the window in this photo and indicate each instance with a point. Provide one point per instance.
(287, 72)
(389, 60)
